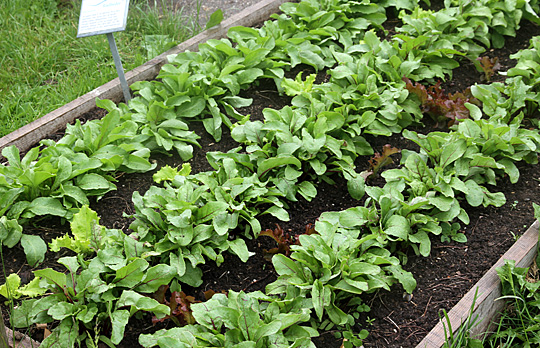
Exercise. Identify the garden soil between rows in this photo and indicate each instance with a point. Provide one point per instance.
(395, 320)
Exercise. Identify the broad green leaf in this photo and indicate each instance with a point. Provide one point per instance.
(178, 262)
(47, 206)
(70, 262)
(155, 277)
(83, 226)
(67, 333)
(93, 181)
(497, 199)
(356, 187)
(357, 268)
(352, 217)
(452, 152)
(266, 330)
(52, 277)
(215, 18)
(336, 315)
(142, 303)
(11, 153)
(442, 203)
(131, 274)
(87, 313)
(510, 169)
(421, 238)
(321, 297)
(475, 196)
(176, 337)
(359, 285)
(192, 276)
(536, 211)
(405, 278)
(249, 315)
(397, 226)
(192, 108)
(238, 246)
(34, 248)
(10, 289)
(10, 232)
(307, 190)
(271, 163)
(119, 320)
(62, 310)
(209, 211)
(278, 212)
(63, 173)
(285, 265)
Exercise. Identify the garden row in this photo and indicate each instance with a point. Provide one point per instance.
(188, 219)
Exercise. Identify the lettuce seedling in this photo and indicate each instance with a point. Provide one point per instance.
(180, 305)
(441, 106)
(284, 240)
(380, 160)
(489, 66)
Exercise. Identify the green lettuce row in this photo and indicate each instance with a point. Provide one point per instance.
(204, 85)
(469, 26)
(241, 320)
(189, 220)
(526, 77)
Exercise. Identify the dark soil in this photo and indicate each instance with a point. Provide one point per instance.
(394, 321)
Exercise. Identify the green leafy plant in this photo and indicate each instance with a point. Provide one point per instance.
(251, 319)
(330, 269)
(527, 64)
(215, 19)
(159, 129)
(88, 235)
(11, 234)
(468, 26)
(103, 292)
(518, 323)
(290, 147)
(508, 102)
(12, 289)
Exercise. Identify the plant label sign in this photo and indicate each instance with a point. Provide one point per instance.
(106, 17)
(102, 17)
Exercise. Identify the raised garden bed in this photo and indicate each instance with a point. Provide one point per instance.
(397, 320)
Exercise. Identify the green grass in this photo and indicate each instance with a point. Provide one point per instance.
(44, 66)
(519, 322)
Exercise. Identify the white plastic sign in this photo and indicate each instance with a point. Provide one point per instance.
(102, 17)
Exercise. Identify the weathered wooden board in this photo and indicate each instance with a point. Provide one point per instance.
(56, 120)
(489, 289)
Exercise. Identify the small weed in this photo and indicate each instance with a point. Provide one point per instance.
(514, 205)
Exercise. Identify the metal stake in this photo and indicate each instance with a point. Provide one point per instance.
(119, 68)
